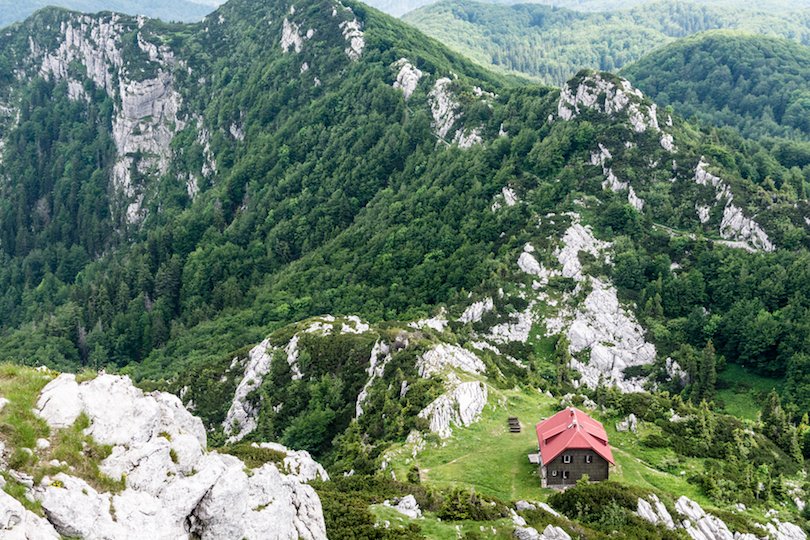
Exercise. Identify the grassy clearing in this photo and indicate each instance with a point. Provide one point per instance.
(436, 529)
(485, 456)
(742, 393)
(489, 459)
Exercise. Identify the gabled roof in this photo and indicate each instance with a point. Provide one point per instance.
(571, 429)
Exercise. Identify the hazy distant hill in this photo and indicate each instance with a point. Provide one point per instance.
(176, 10)
(400, 7)
(554, 43)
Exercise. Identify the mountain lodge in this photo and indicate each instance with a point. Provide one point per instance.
(572, 444)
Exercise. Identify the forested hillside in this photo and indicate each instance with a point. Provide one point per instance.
(177, 10)
(398, 8)
(314, 224)
(758, 85)
(552, 44)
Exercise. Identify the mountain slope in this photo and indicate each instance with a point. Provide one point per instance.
(12, 11)
(187, 203)
(553, 43)
(756, 84)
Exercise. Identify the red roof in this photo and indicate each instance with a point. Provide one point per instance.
(571, 429)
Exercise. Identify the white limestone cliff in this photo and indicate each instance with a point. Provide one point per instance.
(618, 98)
(242, 414)
(476, 311)
(654, 511)
(291, 37)
(459, 406)
(443, 357)
(174, 487)
(408, 77)
(355, 39)
(735, 227)
(146, 108)
(444, 107)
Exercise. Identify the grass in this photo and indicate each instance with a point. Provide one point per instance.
(436, 529)
(20, 428)
(485, 456)
(742, 393)
(489, 459)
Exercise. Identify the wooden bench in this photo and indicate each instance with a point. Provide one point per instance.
(514, 424)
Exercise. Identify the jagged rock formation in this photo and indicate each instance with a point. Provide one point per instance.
(18, 523)
(654, 511)
(475, 311)
(408, 77)
(174, 487)
(599, 325)
(700, 525)
(443, 357)
(461, 405)
(444, 107)
(380, 356)
(741, 231)
(243, 413)
(610, 97)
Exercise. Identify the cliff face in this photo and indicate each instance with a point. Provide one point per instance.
(147, 105)
(170, 485)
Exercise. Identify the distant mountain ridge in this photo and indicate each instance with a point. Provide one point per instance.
(553, 43)
(398, 8)
(757, 84)
(12, 11)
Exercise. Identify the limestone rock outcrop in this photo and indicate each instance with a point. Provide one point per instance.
(738, 229)
(174, 488)
(443, 357)
(461, 405)
(18, 523)
(408, 77)
(654, 511)
(147, 108)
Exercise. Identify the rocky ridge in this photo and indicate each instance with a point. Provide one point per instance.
(701, 525)
(604, 337)
(172, 486)
(460, 404)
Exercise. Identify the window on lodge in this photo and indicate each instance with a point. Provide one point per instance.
(566, 459)
(588, 459)
(565, 475)
(553, 473)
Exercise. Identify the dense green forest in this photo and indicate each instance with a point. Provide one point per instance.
(552, 44)
(755, 84)
(400, 7)
(297, 224)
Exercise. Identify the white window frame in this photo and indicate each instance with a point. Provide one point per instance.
(565, 475)
(553, 473)
(566, 458)
(589, 459)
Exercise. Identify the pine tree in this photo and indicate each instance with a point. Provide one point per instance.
(708, 372)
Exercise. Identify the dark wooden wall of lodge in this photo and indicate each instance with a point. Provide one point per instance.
(596, 470)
